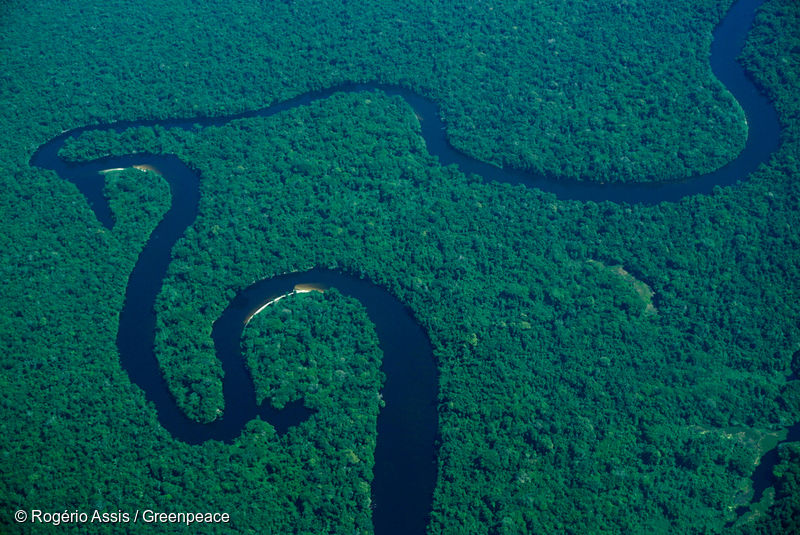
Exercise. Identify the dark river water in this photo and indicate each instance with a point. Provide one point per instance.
(405, 471)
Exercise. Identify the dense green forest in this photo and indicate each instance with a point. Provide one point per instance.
(610, 91)
(322, 348)
(598, 362)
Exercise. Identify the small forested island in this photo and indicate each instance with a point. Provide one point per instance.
(603, 367)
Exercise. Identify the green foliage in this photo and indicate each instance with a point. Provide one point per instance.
(323, 349)
(313, 346)
(138, 201)
(603, 91)
(782, 516)
(564, 405)
(567, 345)
(95, 144)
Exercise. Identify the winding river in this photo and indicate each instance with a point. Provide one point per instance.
(405, 471)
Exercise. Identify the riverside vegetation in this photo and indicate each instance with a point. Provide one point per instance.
(592, 356)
